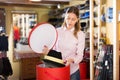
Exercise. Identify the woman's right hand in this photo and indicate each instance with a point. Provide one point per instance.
(45, 50)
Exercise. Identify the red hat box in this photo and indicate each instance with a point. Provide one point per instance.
(44, 34)
(62, 73)
(83, 70)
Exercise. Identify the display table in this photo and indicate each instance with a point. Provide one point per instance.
(28, 62)
(28, 67)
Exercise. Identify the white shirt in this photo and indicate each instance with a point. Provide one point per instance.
(70, 46)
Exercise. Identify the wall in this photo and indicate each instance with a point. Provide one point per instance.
(42, 17)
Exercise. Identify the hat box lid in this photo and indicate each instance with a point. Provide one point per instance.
(41, 35)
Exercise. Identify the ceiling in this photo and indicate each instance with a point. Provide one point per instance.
(31, 3)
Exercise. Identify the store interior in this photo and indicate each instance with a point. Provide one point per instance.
(99, 20)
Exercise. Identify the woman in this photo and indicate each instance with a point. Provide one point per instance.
(71, 42)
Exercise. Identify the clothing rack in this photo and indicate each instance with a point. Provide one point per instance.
(5, 66)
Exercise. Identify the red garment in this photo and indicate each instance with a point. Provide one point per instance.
(16, 33)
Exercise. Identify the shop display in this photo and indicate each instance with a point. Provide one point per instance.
(109, 14)
(85, 15)
(2, 17)
(5, 65)
(22, 25)
(104, 63)
(56, 17)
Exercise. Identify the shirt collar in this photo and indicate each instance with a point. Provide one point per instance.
(70, 29)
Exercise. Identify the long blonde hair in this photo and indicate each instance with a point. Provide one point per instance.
(74, 10)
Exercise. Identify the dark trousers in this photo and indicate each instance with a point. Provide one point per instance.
(75, 76)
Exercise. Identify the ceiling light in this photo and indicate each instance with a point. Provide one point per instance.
(58, 6)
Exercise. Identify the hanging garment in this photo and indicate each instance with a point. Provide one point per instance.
(7, 68)
(3, 43)
(105, 70)
(1, 66)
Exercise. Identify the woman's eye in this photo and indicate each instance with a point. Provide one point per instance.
(72, 19)
(68, 18)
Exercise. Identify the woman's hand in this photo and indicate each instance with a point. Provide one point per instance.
(69, 61)
(45, 50)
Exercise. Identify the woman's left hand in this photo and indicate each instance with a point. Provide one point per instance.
(69, 61)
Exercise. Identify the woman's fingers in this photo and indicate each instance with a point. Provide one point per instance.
(45, 50)
(68, 61)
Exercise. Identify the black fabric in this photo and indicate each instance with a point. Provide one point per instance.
(83, 24)
(15, 43)
(1, 66)
(51, 64)
(55, 54)
(7, 68)
(3, 43)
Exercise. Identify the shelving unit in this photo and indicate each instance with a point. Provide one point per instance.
(55, 17)
(114, 37)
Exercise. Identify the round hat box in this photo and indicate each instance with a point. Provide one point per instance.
(62, 73)
(83, 70)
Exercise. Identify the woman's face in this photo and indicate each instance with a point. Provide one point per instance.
(70, 20)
